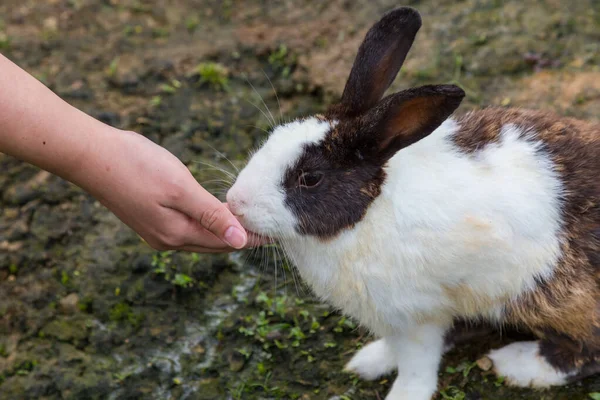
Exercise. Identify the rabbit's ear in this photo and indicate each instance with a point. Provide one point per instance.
(406, 117)
(379, 59)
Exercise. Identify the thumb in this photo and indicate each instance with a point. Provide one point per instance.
(214, 216)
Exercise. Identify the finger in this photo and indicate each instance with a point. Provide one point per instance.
(206, 250)
(254, 239)
(196, 235)
(213, 215)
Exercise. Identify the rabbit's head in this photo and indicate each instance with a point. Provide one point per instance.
(317, 176)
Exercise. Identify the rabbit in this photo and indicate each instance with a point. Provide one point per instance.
(407, 218)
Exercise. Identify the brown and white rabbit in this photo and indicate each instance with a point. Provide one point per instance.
(408, 220)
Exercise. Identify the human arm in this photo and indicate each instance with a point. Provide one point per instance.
(142, 183)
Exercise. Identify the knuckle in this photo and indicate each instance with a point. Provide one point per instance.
(175, 191)
(210, 218)
(177, 184)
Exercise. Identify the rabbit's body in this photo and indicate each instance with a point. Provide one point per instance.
(407, 219)
(452, 234)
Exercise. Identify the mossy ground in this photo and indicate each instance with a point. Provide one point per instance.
(87, 310)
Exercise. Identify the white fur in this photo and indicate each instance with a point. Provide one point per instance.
(415, 354)
(257, 194)
(374, 360)
(521, 364)
(452, 234)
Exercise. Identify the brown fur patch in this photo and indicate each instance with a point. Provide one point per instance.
(470, 303)
(566, 306)
(349, 186)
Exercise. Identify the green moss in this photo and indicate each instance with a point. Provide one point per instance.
(213, 74)
(85, 304)
(122, 312)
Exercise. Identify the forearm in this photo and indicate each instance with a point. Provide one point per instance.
(38, 127)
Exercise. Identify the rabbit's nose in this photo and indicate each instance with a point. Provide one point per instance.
(235, 204)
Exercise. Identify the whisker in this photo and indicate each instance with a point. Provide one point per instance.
(229, 174)
(261, 99)
(259, 128)
(276, 96)
(215, 181)
(237, 170)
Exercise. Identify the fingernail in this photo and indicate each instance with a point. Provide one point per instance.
(235, 237)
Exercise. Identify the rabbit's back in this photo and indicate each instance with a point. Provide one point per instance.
(566, 301)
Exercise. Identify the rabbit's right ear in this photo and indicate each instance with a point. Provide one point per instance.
(379, 59)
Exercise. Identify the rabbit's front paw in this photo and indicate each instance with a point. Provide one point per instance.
(418, 390)
(372, 361)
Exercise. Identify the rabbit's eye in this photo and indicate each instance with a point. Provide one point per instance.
(310, 179)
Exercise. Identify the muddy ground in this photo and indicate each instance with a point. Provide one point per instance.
(88, 311)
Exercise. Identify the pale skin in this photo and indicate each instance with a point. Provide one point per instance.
(142, 183)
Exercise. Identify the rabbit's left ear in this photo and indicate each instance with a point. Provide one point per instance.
(406, 117)
(378, 61)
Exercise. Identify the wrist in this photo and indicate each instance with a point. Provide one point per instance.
(90, 166)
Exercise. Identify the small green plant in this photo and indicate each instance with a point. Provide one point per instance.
(111, 71)
(182, 280)
(213, 74)
(155, 101)
(64, 278)
(13, 269)
(171, 87)
(191, 23)
(499, 381)
(122, 312)
(159, 33)
(25, 367)
(163, 265)
(344, 323)
(281, 59)
(3, 352)
(452, 393)
(121, 376)
(85, 304)
(594, 396)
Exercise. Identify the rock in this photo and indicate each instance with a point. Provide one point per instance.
(50, 223)
(18, 230)
(69, 303)
(484, 363)
(24, 192)
(66, 329)
(208, 389)
(199, 349)
(10, 246)
(236, 361)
